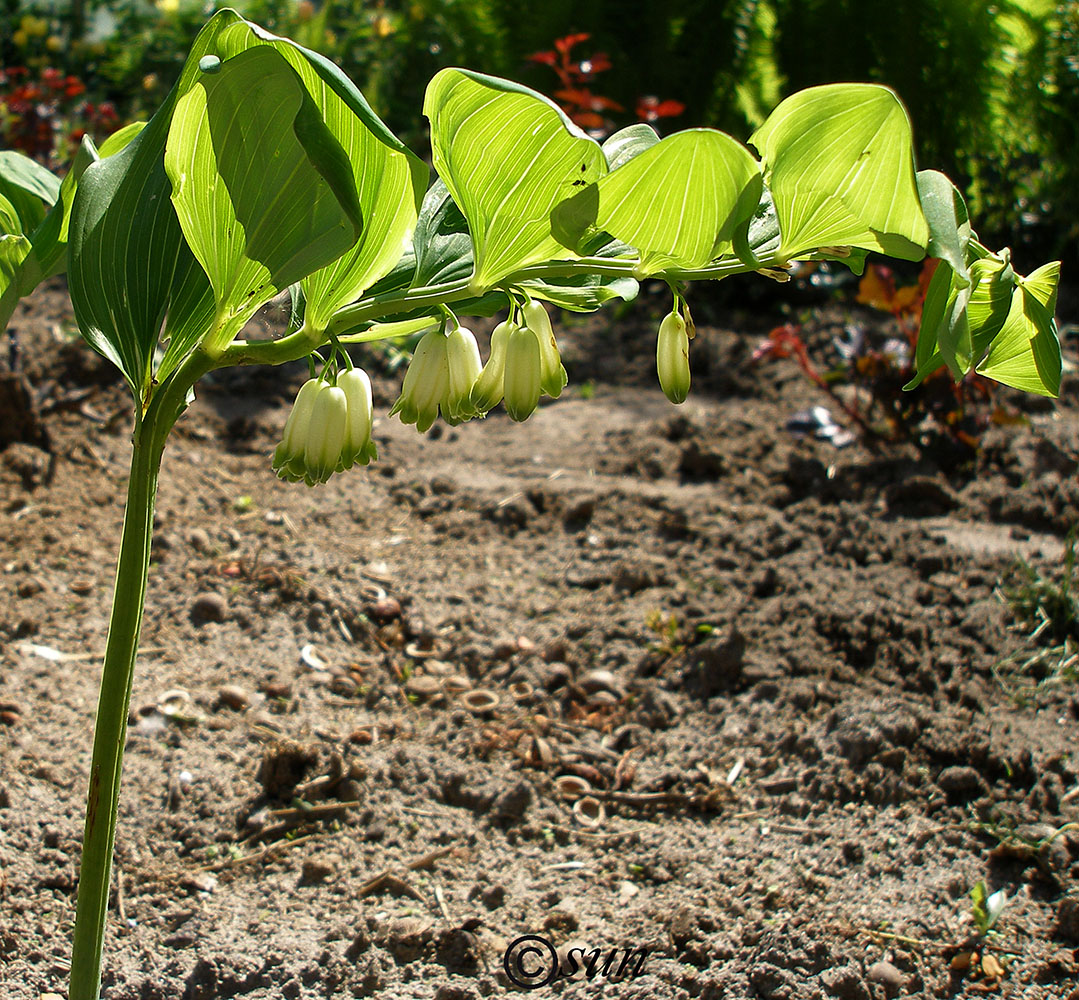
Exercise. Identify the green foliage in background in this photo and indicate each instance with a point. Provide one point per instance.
(994, 88)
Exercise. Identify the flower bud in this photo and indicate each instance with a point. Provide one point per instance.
(358, 444)
(326, 434)
(487, 390)
(288, 459)
(426, 382)
(553, 378)
(463, 363)
(523, 373)
(672, 358)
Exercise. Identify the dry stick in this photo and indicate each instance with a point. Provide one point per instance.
(387, 875)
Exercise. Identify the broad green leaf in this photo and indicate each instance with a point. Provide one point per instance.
(263, 191)
(840, 164)
(993, 281)
(627, 143)
(49, 254)
(28, 187)
(10, 223)
(678, 202)
(946, 215)
(1026, 352)
(388, 178)
(126, 253)
(985, 304)
(13, 249)
(120, 138)
(508, 157)
(28, 175)
(442, 244)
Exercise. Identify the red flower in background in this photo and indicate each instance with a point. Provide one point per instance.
(42, 116)
(576, 97)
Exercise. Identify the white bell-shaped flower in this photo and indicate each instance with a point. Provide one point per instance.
(288, 458)
(487, 389)
(426, 382)
(463, 368)
(521, 382)
(553, 374)
(672, 357)
(326, 434)
(359, 448)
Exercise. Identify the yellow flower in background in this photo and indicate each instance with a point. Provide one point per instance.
(20, 38)
(168, 6)
(35, 27)
(54, 43)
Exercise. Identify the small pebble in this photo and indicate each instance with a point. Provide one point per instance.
(233, 696)
(208, 608)
(887, 975)
(199, 540)
(316, 869)
(386, 609)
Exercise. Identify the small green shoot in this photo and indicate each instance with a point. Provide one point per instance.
(1045, 608)
(1045, 605)
(986, 908)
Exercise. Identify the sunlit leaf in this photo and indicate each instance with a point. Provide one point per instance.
(389, 180)
(959, 323)
(508, 156)
(946, 215)
(263, 191)
(13, 249)
(627, 143)
(126, 253)
(677, 201)
(840, 165)
(28, 187)
(120, 138)
(1026, 352)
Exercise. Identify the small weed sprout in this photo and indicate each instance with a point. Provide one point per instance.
(1045, 609)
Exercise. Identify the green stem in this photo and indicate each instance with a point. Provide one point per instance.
(110, 730)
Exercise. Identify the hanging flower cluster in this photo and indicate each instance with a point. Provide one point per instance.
(446, 372)
(329, 429)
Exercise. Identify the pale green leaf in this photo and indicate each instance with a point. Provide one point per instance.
(946, 215)
(1026, 352)
(388, 178)
(49, 254)
(126, 251)
(627, 143)
(985, 302)
(677, 202)
(13, 249)
(28, 187)
(10, 223)
(840, 164)
(120, 138)
(263, 191)
(508, 156)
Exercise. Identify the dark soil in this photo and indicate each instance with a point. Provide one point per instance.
(365, 715)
